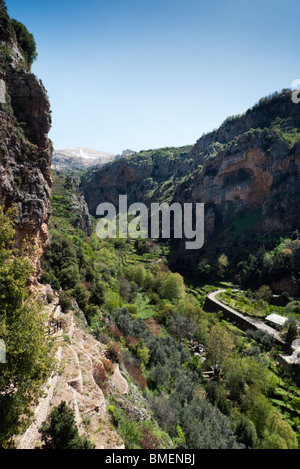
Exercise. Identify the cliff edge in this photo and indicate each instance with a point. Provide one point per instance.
(25, 150)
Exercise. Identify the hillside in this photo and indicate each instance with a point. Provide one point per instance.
(75, 382)
(139, 344)
(144, 315)
(246, 173)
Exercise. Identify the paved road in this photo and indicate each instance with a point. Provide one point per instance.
(255, 322)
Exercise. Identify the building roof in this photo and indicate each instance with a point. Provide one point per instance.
(276, 319)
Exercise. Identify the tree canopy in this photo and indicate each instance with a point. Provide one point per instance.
(26, 41)
(29, 355)
(60, 430)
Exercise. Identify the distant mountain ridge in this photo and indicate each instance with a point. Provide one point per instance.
(77, 158)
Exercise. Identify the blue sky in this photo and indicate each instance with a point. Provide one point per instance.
(144, 74)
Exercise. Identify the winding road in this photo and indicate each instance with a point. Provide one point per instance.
(252, 321)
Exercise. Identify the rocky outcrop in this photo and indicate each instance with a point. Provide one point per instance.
(276, 107)
(144, 177)
(258, 171)
(25, 151)
(250, 165)
(82, 219)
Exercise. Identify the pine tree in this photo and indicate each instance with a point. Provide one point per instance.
(61, 432)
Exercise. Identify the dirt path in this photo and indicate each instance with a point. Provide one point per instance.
(73, 382)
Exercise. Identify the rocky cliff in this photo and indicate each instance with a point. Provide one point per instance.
(25, 151)
(248, 167)
(145, 176)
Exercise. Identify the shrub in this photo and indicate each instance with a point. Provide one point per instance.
(173, 287)
(69, 276)
(108, 365)
(65, 301)
(130, 432)
(99, 375)
(245, 432)
(264, 293)
(50, 279)
(115, 332)
(132, 366)
(112, 301)
(149, 439)
(98, 293)
(26, 41)
(132, 309)
(81, 295)
(60, 430)
(114, 353)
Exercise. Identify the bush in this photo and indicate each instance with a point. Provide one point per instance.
(99, 375)
(150, 439)
(97, 293)
(26, 41)
(81, 295)
(60, 431)
(114, 353)
(173, 287)
(245, 432)
(108, 365)
(65, 301)
(137, 375)
(50, 279)
(69, 276)
(128, 429)
(264, 293)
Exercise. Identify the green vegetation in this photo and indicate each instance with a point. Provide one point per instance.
(26, 41)
(261, 104)
(195, 380)
(152, 321)
(252, 304)
(29, 353)
(60, 430)
(272, 266)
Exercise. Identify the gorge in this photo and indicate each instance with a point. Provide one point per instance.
(112, 338)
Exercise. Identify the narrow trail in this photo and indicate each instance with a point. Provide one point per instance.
(32, 435)
(73, 382)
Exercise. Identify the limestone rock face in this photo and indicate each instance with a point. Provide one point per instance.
(143, 177)
(25, 151)
(249, 165)
(260, 171)
(83, 219)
